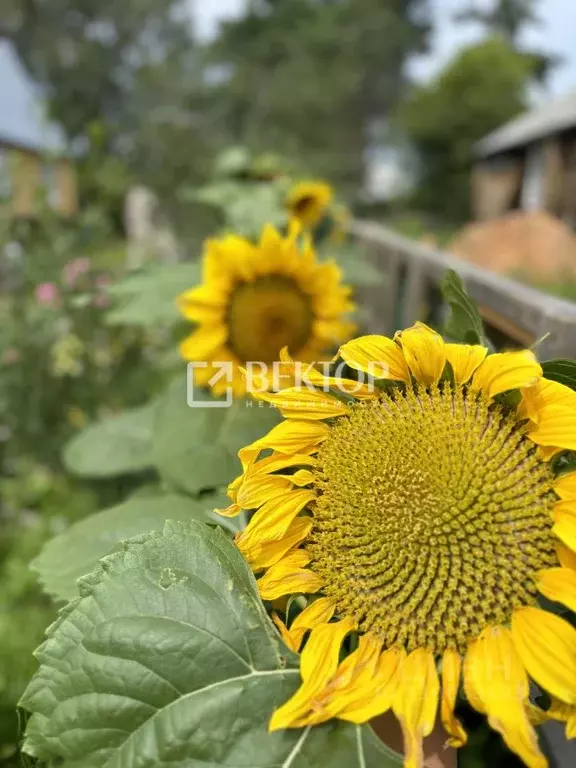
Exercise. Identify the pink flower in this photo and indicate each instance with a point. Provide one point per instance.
(102, 281)
(47, 294)
(75, 269)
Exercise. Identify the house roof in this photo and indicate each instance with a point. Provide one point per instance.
(545, 120)
(21, 121)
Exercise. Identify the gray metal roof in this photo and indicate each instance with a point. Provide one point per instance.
(21, 119)
(544, 120)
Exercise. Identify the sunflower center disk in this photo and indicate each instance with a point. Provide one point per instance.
(433, 518)
(267, 315)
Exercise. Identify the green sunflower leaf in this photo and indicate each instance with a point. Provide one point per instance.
(197, 448)
(76, 551)
(115, 446)
(148, 297)
(168, 659)
(562, 371)
(464, 324)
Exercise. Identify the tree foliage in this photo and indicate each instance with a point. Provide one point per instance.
(483, 87)
(124, 81)
(312, 78)
(509, 18)
(506, 17)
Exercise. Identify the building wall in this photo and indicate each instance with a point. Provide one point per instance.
(541, 176)
(496, 186)
(29, 181)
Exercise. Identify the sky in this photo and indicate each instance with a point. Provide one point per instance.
(21, 111)
(556, 34)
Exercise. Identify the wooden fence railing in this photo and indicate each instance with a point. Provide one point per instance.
(514, 314)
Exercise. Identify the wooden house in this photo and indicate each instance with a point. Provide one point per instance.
(31, 179)
(34, 168)
(529, 164)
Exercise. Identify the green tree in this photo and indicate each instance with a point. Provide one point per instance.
(312, 78)
(483, 87)
(506, 17)
(509, 18)
(130, 69)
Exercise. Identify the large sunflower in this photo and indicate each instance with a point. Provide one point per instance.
(257, 299)
(425, 520)
(308, 201)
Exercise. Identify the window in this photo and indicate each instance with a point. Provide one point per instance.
(5, 176)
(51, 186)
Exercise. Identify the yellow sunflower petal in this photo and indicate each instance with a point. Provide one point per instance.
(558, 585)
(302, 403)
(565, 713)
(547, 646)
(289, 437)
(565, 523)
(272, 520)
(284, 633)
(464, 359)
(416, 702)
(507, 370)
(299, 558)
(239, 255)
(301, 477)
(216, 271)
(285, 579)
(231, 511)
(424, 351)
(201, 344)
(203, 304)
(571, 726)
(318, 664)
(357, 389)
(377, 356)
(320, 657)
(543, 394)
(257, 490)
(318, 612)
(270, 553)
(310, 375)
(556, 427)
(547, 452)
(334, 330)
(565, 487)
(279, 461)
(557, 710)
(566, 556)
(372, 693)
(499, 679)
(352, 685)
(207, 294)
(451, 667)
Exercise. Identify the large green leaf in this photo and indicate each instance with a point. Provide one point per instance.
(197, 448)
(562, 371)
(464, 324)
(116, 446)
(76, 551)
(246, 206)
(148, 298)
(168, 659)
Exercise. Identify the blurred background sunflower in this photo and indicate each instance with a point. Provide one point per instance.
(257, 299)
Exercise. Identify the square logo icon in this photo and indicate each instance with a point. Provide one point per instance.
(196, 396)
